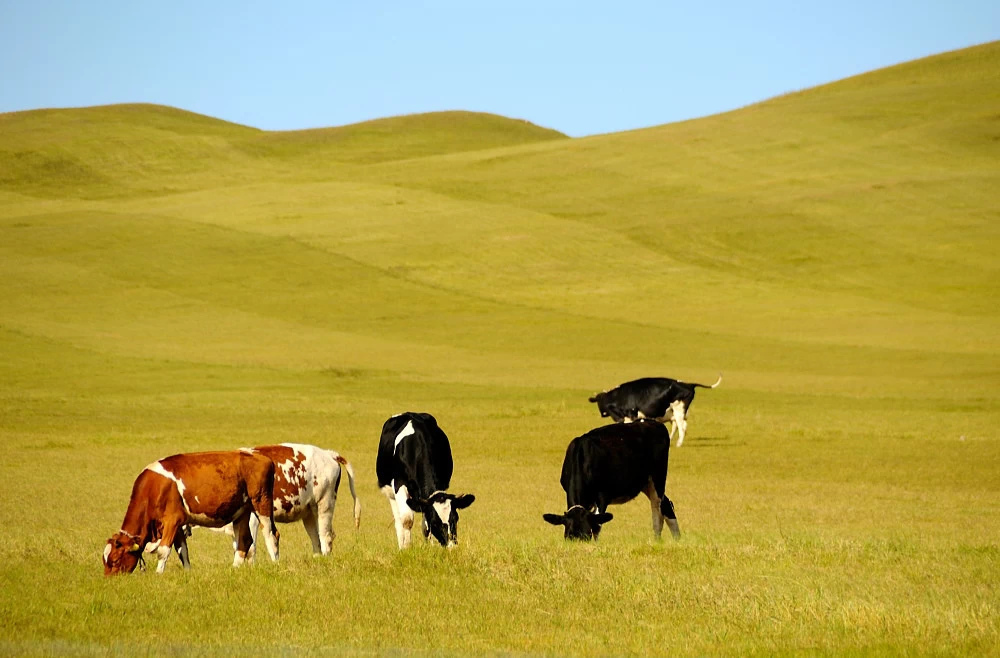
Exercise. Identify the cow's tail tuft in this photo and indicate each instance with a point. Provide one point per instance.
(350, 482)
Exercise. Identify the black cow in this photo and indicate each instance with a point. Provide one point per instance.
(611, 465)
(414, 469)
(659, 398)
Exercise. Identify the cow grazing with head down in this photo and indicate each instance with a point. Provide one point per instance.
(611, 465)
(306, 482)
(201, 488)
(414, 468)
(657, 398)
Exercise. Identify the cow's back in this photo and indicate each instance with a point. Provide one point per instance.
(413, 449)
(215, 486)
(303, 474)
(616, 460)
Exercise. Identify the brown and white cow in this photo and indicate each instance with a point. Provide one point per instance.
(306, 481)
(200, 488)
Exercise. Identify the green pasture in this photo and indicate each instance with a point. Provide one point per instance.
(170, 282)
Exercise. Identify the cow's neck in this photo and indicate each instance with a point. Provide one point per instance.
(137, 522)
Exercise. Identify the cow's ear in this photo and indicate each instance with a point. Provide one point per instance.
(417, 504)
(601, 519)
(462, 501)
(555, 519)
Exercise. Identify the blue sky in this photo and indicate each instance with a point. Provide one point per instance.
(580, 67)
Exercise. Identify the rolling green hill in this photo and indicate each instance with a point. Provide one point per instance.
(172, 282)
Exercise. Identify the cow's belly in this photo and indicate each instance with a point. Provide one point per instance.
(290, 508)
(622, 494)
(219, 516)
(621, 499)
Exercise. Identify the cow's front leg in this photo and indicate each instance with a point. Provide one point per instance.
(165, 544)
(404, 518)
(391, 495)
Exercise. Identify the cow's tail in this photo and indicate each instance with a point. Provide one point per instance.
(350, 482)
(719, 381)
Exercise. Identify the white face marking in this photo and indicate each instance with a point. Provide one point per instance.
(107, 553)
(405, 432)
(443, 511)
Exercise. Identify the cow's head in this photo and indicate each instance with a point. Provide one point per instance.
(612, 409)
(440, 512)
(602, 403)
(579, 523)
(122, 553)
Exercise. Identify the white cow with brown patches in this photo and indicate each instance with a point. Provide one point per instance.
(306, 481)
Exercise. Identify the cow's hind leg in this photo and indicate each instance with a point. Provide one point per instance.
(271, 535)
(261, 492)
(324, 522)
(655, 508)
(680, 421)
(170, 531)
(242, 539)
(310, 521)
(667, 509)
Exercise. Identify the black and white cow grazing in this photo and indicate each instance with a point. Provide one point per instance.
(414, 467)
(659, 398)
(611, 465)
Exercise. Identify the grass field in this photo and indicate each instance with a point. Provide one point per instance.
(170, 283)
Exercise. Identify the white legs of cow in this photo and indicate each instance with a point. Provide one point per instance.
(244, 534)
(163, 552)
(678, 420)
(401, 513)
(318, 523)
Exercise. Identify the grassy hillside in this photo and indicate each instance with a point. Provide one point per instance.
(172, 282)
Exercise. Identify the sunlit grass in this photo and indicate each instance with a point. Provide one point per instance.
(171, 283)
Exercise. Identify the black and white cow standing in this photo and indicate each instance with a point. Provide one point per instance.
(658, 398)
(611, 465)
(414, 468)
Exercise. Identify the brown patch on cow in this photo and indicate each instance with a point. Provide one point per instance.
(209, 481)
(341, 460)
(290, 486)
